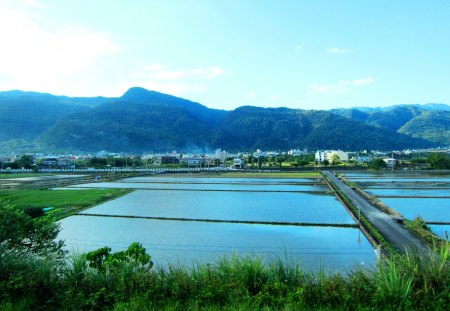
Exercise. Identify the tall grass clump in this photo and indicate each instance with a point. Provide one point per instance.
(419, 280)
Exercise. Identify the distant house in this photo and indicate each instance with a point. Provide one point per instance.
(57, 162)
(390, 163)
(167, 159)
(193, 160)
(297, 152)
(329, 154)
(238, 163)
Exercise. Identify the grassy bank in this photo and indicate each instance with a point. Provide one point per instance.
(64, 202)
(22, 175)
(127, 281)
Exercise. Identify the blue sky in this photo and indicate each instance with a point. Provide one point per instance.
(225, 54)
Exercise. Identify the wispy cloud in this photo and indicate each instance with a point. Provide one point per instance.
(342, 86)
(251, 95)
(275, 98)
(337, 50)
(364, 81)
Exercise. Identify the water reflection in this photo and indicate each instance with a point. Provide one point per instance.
(335, 249)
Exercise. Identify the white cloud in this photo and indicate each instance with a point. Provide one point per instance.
(37, 58)
(299, 46)
(274, 98)
(337, 51)
(251, 95)
(361, 82)
(342, 86)
(160, 72)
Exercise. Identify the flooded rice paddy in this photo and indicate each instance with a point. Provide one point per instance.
(412, 194)
(186, 220)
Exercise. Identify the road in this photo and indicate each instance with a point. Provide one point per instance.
(391, 229)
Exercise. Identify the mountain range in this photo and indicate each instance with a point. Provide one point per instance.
(142, 121)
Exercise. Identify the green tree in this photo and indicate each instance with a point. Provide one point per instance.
(102, 259)
(335, 159)
(26, 161)
(280, 160)
(377, 164)
(20, 232)
(439, 160)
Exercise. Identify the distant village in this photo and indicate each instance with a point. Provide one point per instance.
(259, 159)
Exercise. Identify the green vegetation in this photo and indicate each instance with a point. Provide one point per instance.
(21, 233)
(439, 160)
(21, 175)
(430, 125)
(64, 202)
(377, 164)
(412, 120)
(142, 120)
(419, 227)
(130, 283)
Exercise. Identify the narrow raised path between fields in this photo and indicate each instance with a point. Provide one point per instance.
(391, 229)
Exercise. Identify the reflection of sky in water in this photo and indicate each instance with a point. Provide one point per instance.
(250, 206)
(430, 209)
(442, 231)
(221, 180)
(175, 242)
(422, 181)
(410, 192)
(223, 187)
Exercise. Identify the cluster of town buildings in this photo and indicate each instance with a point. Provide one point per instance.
(217, 158)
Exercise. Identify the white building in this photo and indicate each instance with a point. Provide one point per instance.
(329, 154)
(295, 152)
(390, 163)
(221, 155)
(238, 163)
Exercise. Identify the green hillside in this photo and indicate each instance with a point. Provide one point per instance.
(430, 125)
(143, 120)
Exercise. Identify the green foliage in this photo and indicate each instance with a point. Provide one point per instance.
(377, 164)
(439, 160)
(419, 227)
(411, 281)
(102, 259)
(20, 232)
(430, 125)
(335, 159)
(25, 161)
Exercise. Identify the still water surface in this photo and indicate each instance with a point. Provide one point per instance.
(431, 209)
(207, 187)
(248, 206)
(184, 243)
(410, 192)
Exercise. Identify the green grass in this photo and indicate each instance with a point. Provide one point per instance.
(21, 175)
(65, 202)
(407, 282)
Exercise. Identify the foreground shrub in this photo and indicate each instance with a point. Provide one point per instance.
(126, 280)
